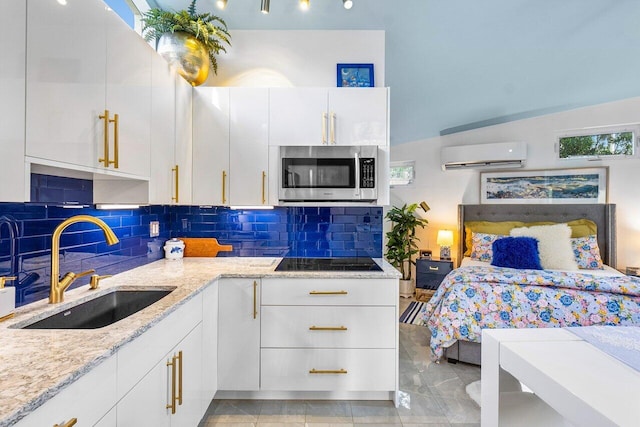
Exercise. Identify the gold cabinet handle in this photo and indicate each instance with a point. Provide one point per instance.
(172, 406)
(327, 328)
(264, 178)
(329, 371)
(224, 185)
(69, 423)
(255, 299)
(328, 293)
(180, 377)
(332, 131)
(433, 268)
(105, 158)
(116, 135)
(177, 186)
(324, 128)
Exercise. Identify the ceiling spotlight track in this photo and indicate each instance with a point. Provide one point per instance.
(264, 6)
(348, 4)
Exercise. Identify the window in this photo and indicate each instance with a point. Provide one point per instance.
(599, 142)
(402, 173)
(126, 10)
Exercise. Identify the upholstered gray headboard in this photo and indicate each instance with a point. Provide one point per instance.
(604, 215)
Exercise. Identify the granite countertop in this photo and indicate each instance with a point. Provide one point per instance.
(36, 364)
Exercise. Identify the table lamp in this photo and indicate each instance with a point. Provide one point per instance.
(445, 241)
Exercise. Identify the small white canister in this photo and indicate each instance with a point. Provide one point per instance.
(174, 249)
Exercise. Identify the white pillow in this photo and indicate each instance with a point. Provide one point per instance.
(554, 245)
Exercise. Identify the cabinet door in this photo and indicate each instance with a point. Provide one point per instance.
(239, 334)
(184, 138)
(211, 146)
(65, 91)
(189, 410)
(298, 116)
(163, 130)
(128, 94)
(12, 102)
(249, 150)
(146, 403)
(358, 116)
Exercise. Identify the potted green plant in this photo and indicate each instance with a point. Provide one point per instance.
(188, 40)
(401, 243)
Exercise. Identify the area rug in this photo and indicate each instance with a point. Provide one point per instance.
(473, 391)
(410, 315)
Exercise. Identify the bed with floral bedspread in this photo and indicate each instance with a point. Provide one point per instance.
(477, 297)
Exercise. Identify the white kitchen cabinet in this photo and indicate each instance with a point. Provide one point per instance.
(239, 334)
(169, 394)
(88, 399)
(171, 136)
(249, 146)
(12, 103)
(328, 116)
(82, 60)
(211, 146)
(184, 141)
(163, 131)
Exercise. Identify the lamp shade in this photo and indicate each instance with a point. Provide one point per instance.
(445, 238)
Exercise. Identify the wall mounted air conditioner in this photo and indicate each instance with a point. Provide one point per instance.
(494, 155)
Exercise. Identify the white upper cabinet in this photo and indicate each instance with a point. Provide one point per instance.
(182, 171)
(249, 146)
(163, 130)
(12, 106)
(81, 61)
(211, 146)
(328, 116)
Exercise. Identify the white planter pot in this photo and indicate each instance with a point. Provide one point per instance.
(407, 288)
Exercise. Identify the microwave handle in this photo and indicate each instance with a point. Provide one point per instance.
(357, 189)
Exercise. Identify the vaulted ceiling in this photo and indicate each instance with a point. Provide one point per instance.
(455, 64)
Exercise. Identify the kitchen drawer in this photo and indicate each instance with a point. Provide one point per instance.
(285, 291)
(365, 369)
(366, 327)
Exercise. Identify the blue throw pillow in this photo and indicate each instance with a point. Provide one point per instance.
(516, 252)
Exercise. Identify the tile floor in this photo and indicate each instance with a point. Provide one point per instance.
(433, 395)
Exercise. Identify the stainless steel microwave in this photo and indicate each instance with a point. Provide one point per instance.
(336, 173)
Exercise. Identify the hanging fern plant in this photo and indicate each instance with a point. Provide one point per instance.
(208, 29)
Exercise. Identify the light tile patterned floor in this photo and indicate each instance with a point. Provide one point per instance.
(433, 395)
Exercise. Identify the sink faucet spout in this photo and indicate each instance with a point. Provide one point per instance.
(58, 285)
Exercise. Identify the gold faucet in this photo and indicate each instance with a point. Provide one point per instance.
(58, 285)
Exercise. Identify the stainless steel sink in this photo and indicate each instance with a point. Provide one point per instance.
(101, 311)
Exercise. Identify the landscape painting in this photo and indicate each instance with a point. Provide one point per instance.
(583, 185)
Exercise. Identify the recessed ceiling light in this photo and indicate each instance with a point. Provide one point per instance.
(221, 4)
(62, 2)
(304, 4)
(348, 4)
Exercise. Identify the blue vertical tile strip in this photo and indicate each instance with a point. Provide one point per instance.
(308, 231)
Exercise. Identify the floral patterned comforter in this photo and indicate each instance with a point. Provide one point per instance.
(473, 298)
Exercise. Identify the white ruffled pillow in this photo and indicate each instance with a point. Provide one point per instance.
(554, 245)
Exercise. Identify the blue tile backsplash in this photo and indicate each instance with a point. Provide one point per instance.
(282, 231)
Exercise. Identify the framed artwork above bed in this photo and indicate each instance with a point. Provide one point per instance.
(550, 186)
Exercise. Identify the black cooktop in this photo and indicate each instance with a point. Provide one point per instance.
(328, 264)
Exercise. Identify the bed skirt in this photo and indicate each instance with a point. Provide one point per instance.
(463, 351)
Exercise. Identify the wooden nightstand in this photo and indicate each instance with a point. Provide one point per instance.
(430, 272)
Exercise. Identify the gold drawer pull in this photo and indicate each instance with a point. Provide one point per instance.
(434, 268)
(328, 293)
(69, 423)
(327, 328)
(330, 371)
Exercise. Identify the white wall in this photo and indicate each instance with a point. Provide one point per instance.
(296, 58)
(443, 191)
